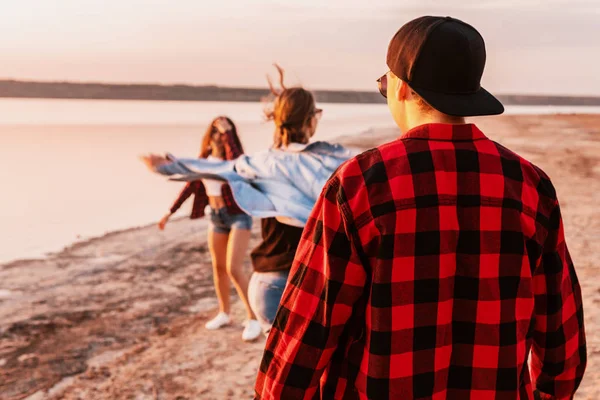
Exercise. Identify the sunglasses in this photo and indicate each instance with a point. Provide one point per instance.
(382, 85)
(318, 112)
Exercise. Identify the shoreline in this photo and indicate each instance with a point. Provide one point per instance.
(122, 315)
(83, 242)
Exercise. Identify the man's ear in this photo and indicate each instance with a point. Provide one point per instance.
(402, 91)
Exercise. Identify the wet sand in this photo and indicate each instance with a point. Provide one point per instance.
(122, 316)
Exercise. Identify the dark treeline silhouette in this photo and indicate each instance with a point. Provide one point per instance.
(70, 90)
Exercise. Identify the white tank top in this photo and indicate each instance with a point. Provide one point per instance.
(213, 187)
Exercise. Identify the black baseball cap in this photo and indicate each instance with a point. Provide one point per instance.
(442, 59)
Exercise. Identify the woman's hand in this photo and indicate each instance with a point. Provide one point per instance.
(153, 161)
(222, 125)
(163, 221)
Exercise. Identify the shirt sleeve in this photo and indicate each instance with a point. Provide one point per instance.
(188, 190)
(558, 357)
(326, 280)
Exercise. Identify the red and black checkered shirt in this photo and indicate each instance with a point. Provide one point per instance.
(432, 267)
(232, 151)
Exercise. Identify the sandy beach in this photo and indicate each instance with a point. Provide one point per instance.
(122, 316)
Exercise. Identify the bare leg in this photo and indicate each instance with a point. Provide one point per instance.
(236, 252)
(217, 244)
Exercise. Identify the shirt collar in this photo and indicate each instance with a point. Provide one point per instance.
(294, 147)
(449, 132)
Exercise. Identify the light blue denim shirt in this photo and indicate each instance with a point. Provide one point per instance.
(273, 183)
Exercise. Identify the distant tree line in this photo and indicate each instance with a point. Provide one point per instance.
(70, 90)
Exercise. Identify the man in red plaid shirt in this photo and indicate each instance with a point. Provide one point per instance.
(434, 266)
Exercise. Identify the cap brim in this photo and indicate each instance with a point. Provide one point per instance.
(475, 104)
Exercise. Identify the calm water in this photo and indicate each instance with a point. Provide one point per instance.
(69, 168)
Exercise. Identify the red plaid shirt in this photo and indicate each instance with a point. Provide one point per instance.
(432, 267)
(232, 151)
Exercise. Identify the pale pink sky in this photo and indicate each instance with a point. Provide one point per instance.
(534, 46)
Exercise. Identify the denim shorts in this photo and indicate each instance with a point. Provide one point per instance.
(222, 222)
(264, 295)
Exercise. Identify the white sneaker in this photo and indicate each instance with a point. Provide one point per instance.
(252, 330)
(218, 322)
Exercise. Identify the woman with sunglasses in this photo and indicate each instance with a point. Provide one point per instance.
(229, 229)
(280, 186)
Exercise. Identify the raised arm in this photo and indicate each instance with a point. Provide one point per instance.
(233, 148)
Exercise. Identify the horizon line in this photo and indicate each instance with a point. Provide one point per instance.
(262, 88)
